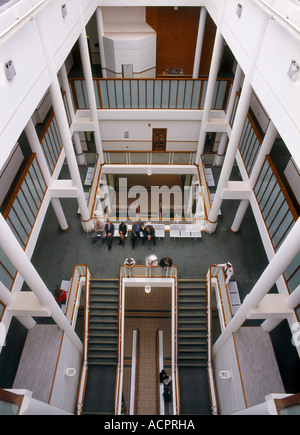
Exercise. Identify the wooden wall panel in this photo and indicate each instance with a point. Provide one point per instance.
(177, 37)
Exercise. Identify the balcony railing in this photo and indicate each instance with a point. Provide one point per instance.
(151, 93)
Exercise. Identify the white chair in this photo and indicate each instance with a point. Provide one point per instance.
(196, 230)
(174, 230)
(234, 296)
(159, 230)
(185, 230)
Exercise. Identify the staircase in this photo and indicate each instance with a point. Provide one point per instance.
(192, 333)
(103, 325)
(103, 347)
(192, 347)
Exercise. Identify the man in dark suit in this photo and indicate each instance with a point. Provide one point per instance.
(149, 234)
(109, 233)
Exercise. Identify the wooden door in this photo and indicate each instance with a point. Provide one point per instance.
(159, 139)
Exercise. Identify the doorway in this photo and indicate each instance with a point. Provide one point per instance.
(159, 139)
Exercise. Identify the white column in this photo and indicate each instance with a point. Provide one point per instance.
(35, 146)
(233, 144)
(278, 264)
(21, 262)
(293, 300)
(213, 72)
(235, 87)
(87, 71)
(99, 18)
(239, 215)
(5, 295)
(63, 126)
(237, 129)
(78, 149)
(219, 157)
(265, 148)
(65, 85)
(199, 44)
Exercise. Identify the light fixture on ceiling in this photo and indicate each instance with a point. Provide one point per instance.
(294, 70)
(149, 172)
(10, 70)
(239, 9)
(64, 10)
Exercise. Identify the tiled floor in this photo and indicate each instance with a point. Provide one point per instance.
(154, 313)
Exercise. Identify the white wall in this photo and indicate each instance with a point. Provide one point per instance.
(279, 95)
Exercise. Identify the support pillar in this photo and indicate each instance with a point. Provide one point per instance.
(239, 215)
(66, 88)
(233, 144)
(99, 18)
(278, 264)
(21, 262)
(199, 43)
(293, 300)
(235, 87)
(81, 160)
(35, 146)
(219, 157)
(5, 295)
(63, 125)
(266, 146)
(87, 71)
(213, 72)
(236, 132)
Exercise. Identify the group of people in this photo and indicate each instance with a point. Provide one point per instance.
(105, 232)
(150, 261)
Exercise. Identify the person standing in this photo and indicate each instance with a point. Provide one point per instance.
(165, 262)
(228, 270)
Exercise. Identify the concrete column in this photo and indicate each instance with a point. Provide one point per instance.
(213, 72)
(59, 213)
(99, 18)
(81, 160)
(65, 85)
(233, 144)
(239, 121)
(278, 264)
(63, 126)
(5, 295)
(266, 146)
(87, 71)
(21, 262)
(35, 146)
(235, 87)
(293, 300)
(219, 157)
(199, 43)
(239, 215)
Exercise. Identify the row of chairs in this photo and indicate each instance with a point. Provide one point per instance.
(176, 230)
(185, 230)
